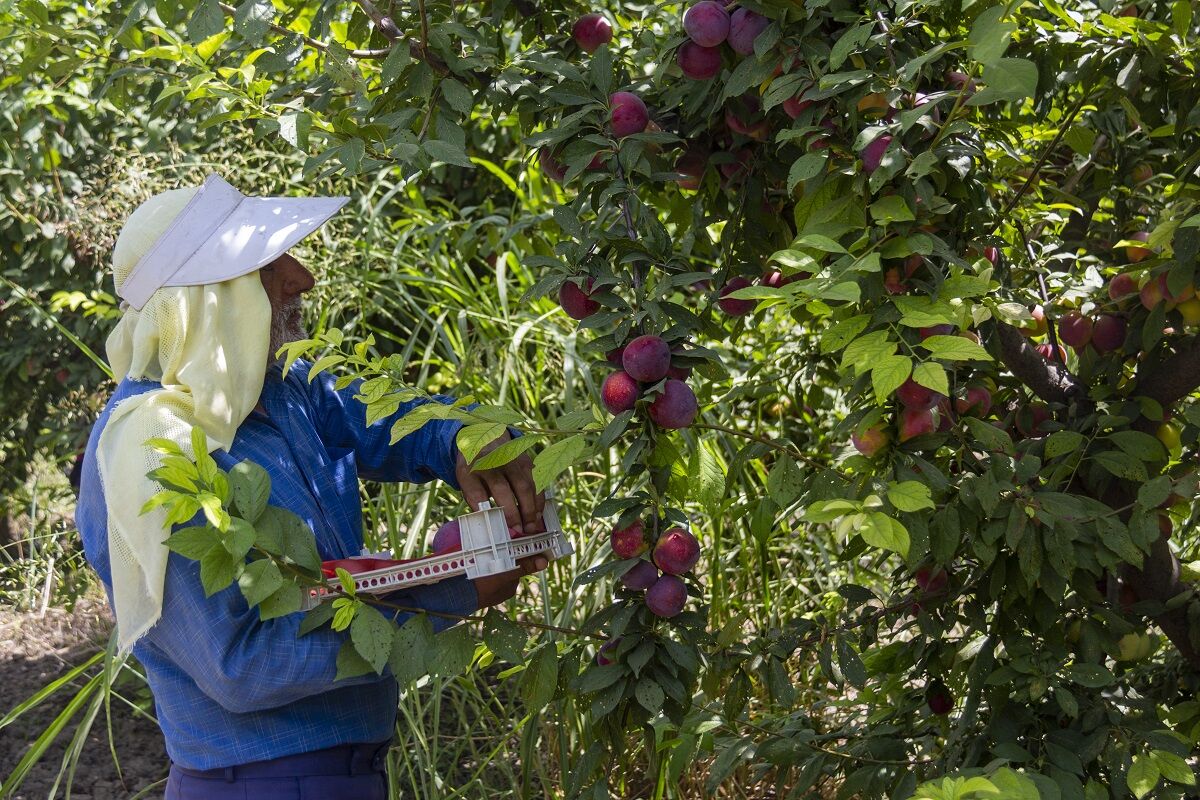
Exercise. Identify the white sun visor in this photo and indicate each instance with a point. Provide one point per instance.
(223, 234)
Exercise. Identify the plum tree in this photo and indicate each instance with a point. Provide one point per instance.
(647, 358)
(619, 392)
(676, 551)
(628, 114)
(667, 597)
(630, 541)
(591, 31)
(707, 23)
(577, 301)
(916, 251)
(675, 407)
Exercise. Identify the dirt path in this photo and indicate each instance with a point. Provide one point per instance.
(34, 652)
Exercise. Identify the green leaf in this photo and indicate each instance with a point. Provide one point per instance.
(541, 677)
(880, 530)
(932, 376)
(259, 580)
(1173, 767)
(987, 434)
(1141, 446)
(473, 438)
(909, 496)
(194, 542)
(207, 20)
(848, 43)
(507, 451)
(218, 568)
(1143, 776)
(315, 618)
(239, 537)
(891, 209)
(989, 36)
(955, 348)
(454, 649)
(785, 482)
(1154, 493)
(283, 601)
(504, 637)
(458, 96)
(1121, 465)
(251, 20)
(1009, 79)
(850, 664)
(350, 664)
(1061, 442)
(1093, 676)
(296, 540)
(556, 459)
(447, 152)
(250, 486)
(841, 334)
(887, 374)
(371, 633)
(707, 485)
(863, 352)
(649, 695)
(411, 646)
(805, 167)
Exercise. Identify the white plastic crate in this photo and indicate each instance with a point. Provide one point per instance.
(487, 549)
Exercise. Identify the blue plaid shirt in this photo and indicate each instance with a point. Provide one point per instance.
(229, 688)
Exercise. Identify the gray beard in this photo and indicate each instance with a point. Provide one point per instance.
(287, 326)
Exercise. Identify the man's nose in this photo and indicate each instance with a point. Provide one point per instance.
(296, 278)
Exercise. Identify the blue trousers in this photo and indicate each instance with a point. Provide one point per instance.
(350, 771)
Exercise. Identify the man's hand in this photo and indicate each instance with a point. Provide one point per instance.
(511, 486)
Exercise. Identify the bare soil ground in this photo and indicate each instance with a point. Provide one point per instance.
(34, 651)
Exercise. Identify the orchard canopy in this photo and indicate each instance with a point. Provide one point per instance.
(876, 336)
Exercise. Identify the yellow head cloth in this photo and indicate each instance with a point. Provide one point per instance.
(207, 345)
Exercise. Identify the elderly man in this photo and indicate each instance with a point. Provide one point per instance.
(247, 707)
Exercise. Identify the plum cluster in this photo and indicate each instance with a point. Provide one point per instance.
(675, 553)
(708, 26)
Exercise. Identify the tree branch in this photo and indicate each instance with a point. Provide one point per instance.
(1158, 580)
(1169, 380)
(1049, 380)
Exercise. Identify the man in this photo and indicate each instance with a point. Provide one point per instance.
(248, 708)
